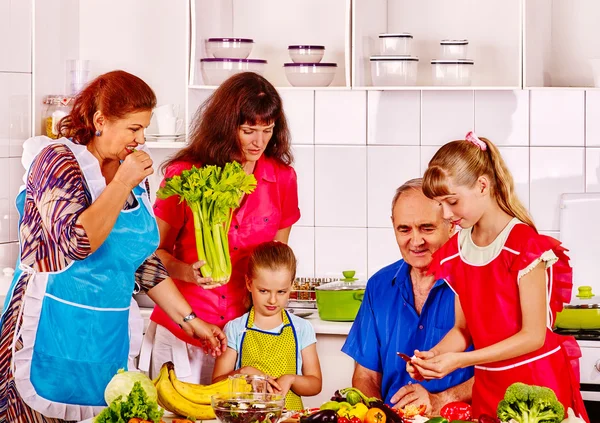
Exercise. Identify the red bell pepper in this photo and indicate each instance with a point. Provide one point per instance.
(456, 411)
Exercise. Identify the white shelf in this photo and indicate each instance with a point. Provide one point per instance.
(274, 25)
(166, 144)
(561, 38)
(214, 87)
(493, 28)
(436, 88)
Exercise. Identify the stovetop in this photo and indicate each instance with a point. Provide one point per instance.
(581, 334)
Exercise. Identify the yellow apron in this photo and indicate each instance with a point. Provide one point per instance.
(274, 354)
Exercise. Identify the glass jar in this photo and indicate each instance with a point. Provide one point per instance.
(56, 107)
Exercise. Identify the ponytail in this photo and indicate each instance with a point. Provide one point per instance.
(465, 161)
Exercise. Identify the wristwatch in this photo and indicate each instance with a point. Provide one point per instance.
(189, 317)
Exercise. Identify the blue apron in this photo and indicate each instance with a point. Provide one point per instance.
(75, 321)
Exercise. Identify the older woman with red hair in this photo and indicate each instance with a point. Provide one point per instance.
(243, 120)
(87, 235)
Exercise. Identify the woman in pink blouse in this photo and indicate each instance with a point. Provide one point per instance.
(244, 121)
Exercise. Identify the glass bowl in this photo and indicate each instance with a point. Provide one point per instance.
(247, 407)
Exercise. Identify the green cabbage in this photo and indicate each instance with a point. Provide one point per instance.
(122, 384)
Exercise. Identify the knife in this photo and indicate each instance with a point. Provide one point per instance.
(404, 357)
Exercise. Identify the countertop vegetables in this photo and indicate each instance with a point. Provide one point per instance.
(530, 404)
(135, 405)
(212, 193)
(122, 384)
(322, 416)
(456, 411)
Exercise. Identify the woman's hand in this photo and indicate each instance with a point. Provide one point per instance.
(410, 368)
(438, 366)
(212, 338)
(194, 275)
(133, 170)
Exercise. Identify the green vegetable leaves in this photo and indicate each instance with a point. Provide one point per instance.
(135, 405)
(212, 193)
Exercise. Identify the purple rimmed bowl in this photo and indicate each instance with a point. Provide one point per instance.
(233, 48)
(310, 74)
(214, 71)
(304, 53)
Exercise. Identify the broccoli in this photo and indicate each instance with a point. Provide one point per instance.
(530, 404)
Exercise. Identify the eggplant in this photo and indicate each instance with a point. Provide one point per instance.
(323, 416)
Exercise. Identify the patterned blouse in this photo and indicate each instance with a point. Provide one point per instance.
(56, 195)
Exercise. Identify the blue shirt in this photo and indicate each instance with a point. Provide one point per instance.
(387, 322)
(305, 335)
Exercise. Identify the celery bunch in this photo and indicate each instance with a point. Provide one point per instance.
(212, 192)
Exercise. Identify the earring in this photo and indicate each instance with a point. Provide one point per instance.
(98, 133)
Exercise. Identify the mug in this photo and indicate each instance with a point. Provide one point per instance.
(169, 125)
(171, 110)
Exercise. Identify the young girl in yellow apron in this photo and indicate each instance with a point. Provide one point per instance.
(268, 340)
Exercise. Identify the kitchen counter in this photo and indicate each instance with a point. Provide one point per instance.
(321, 327)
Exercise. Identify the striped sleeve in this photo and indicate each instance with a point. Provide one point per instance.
(58, 189)
(151, 273)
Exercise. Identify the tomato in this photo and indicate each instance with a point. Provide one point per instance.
(343, 420)
(356, 420)
(375, 415)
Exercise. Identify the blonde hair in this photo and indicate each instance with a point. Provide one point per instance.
(465, 162)
(272, 255)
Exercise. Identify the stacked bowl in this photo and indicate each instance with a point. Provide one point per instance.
(453, 69)
(395, 66)
(230, 56)
(306, 69)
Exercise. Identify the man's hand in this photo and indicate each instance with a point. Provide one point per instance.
(417, 395)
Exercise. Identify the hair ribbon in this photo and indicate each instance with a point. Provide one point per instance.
(474, 139)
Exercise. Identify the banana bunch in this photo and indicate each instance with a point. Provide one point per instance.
(186, 399)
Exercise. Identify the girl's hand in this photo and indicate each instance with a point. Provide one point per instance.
(414, 372)
(438, 366)
(214, 341)
(194, 274)
(284, 383)
(133, 170)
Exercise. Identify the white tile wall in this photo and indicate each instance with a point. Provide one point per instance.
(387, 169)
(299, 109)
(446, 116)
(15, 115)
(394, 117)
(503, 116)
(557, 118)
(554, 170)
(340, 117)
(354, 183)
(304, 164)
(340, 186)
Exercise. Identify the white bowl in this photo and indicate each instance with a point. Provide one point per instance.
(454, 49)
(453, 72)
(306, 54)
(394, 70)
(233, 48)
(310, 74)
(395, 44)
(214, 71)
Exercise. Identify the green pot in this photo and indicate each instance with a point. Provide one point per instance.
(339, 301)
(578, 318)
(582, 313)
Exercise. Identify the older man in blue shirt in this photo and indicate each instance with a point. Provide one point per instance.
(406, 309)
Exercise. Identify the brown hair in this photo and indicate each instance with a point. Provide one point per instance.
(272, 255)
(245, 98)
(465, 162)
(115, 94)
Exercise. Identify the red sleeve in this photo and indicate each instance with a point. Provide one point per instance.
(440, 265)
(531, 246)
(171, 209)
(288, 188)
